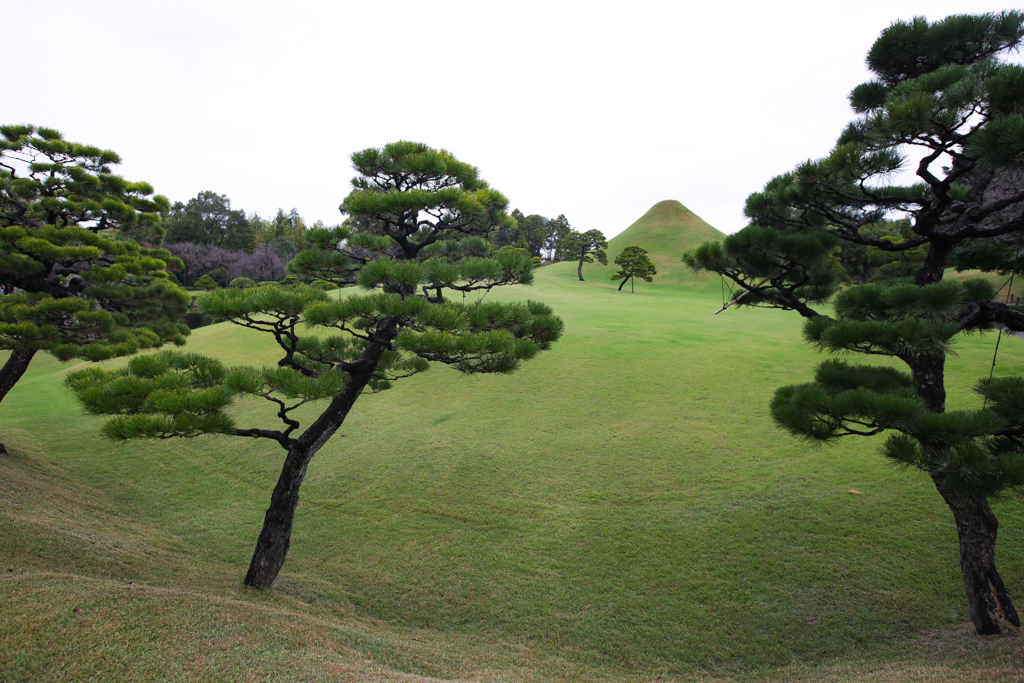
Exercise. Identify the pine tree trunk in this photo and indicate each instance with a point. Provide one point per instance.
(275, 537)
(988, 603)
(987, 600)
(13, 369)
(579, 271)
(622, 284)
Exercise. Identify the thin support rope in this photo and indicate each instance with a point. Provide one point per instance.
(1009, 292)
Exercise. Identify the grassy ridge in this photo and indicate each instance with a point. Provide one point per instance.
(621, 508)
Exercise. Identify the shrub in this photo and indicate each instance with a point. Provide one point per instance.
(242, 283)
(220, 276)
(206, 282)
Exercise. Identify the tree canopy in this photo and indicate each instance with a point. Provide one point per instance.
(73, 283)
(46, 180)
(633, 262)
(939, 89)
(426, 219)
(209, 220)
(584, 247)
(540, 236)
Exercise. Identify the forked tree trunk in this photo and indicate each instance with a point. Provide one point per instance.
(988, 603)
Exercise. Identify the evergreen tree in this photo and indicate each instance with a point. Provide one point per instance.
(46, 180)
(73, 283)
(529, 232)
(208, 219)
(585, 247)
(939, 88)
(555, 230)
(502, 238)
(284, 226)
(633, 262)
(435, 216)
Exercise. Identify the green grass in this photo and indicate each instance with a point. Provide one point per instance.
(619, 509)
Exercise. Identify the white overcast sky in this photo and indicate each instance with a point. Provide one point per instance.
(596, 110)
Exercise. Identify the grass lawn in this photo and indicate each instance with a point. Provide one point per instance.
(619, 509)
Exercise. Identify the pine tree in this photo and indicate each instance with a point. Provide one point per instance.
(585, 247)
(633, 262)
(939, 88)
(429, 217)
(74, 283)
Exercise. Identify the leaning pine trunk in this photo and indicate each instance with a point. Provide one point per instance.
(13, 369)
(276, 536)
(988, 603)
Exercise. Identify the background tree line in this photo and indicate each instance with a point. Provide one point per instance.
(212, 238)
(541, 236)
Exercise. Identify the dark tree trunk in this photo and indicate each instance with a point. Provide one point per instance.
(988, 603)
(987, 600)
(275, 538)
(622, 284)
(935, 262)
(579, 271)
(929, 373)
(13, 369)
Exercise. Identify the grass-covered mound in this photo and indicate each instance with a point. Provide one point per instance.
(620, 509)
(665, 231)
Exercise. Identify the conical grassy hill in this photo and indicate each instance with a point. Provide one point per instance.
(665, 231)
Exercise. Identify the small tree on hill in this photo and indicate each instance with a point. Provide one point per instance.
(431, 215)
(585, 247)
(73, 282)
(633, 262)
(939, 89)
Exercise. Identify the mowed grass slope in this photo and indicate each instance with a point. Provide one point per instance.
(619, 509)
